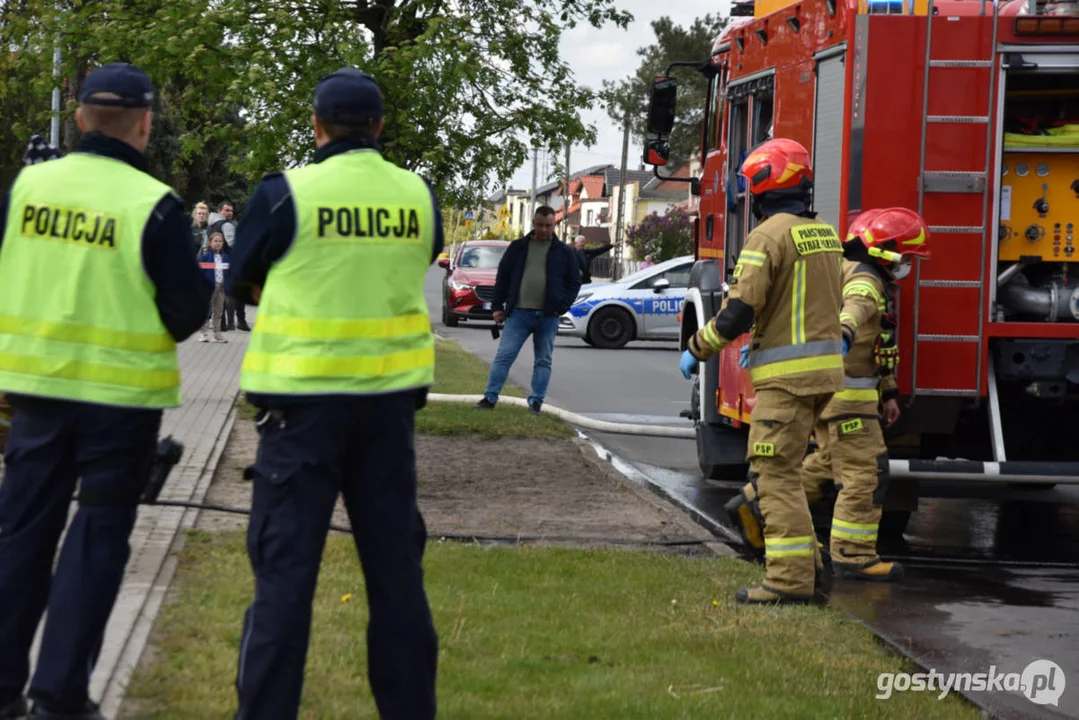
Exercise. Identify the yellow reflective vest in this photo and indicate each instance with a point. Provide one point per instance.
(343, 312)
(77, 314)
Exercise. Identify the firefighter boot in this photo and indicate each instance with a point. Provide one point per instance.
(780, 424)
(873, 571)
(745, 515)
(861, 461)
(765, 596)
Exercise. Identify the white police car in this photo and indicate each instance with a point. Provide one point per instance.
(641, 306)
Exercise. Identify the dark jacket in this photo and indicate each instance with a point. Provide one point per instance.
(206, 263)
(563, 276)
(200, 236)
(585, 257)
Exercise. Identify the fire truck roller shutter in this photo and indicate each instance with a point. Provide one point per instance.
(827, 150)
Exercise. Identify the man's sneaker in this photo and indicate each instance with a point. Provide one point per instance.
(203, 337)
(534, 407)
(89, 712)
(14, 709)
(484, 404)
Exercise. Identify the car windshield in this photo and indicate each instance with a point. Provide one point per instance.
(639, 275)
(481, 257)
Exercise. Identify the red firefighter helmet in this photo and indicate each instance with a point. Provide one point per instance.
(779, 164)
(891, 236)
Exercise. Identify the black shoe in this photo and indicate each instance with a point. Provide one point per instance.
(14, 709)
(534, 407)
(89, 712)
(484, 404)
(242, 327)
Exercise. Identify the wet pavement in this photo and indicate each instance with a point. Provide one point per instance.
(992, 585)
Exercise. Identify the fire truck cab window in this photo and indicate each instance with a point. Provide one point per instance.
(762, 118)
(737, 150)
(716, 106)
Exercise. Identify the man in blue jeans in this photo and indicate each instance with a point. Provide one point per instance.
(538, 279)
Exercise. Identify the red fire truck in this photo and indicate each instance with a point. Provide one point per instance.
(964, 110)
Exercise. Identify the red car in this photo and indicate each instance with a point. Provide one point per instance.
(469, 286)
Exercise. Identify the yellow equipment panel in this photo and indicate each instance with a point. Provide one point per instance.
(1039, 206)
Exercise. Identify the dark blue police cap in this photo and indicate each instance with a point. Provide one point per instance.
(130, 85)
(348, 97)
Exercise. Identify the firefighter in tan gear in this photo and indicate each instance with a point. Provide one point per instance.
(786, 287)
(879, 249)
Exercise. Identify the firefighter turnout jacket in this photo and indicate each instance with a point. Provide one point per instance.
(786, 287)
(866, 298)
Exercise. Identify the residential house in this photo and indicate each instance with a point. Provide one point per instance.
(646, 194)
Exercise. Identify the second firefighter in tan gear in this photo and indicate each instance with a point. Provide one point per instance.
(851, 448)
(850, 441)
(786, 286)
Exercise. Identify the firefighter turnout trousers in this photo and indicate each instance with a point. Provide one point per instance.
(852, 451)
(778, 429)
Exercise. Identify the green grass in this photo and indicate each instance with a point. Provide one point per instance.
(459, 372)
(541, 633)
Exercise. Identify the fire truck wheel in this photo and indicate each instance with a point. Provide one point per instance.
(893, 523)
(707, 434)
(611, 328)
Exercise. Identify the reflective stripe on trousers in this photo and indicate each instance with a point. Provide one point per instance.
(860, 389)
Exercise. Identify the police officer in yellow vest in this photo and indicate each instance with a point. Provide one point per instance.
(335, 254)
(97, 285)
(786, 288)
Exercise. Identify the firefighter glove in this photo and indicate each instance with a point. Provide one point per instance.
(687, 365)
(846, 345)
(886, 351)
(743, 358)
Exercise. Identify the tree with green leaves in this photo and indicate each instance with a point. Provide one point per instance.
(469, 86)
(673, 42)
(662, 236)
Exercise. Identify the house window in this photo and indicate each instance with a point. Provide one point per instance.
(588, 222)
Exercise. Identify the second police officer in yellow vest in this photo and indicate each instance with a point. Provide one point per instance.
(785, 286)
(335, 254)
(97, 285)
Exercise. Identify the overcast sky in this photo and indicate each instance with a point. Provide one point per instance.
(610, 54)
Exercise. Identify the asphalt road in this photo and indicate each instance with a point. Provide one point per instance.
(639, 383)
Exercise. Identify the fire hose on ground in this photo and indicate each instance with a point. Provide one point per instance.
(170, 451)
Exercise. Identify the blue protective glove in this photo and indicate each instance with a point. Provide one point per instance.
(743, 359)
(688, 363)
(846, 345)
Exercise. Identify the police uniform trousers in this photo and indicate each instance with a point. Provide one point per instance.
(852, 452)
(309, 453)
(53, 444)
(779, 427)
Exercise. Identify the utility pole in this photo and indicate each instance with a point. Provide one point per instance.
(621, 200)
(565, 199)
(54, 129)
(535, 169)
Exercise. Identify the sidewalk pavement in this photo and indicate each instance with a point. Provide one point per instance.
(211, 373)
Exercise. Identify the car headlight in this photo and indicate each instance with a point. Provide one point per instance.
(459, 286)
(581, 298)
